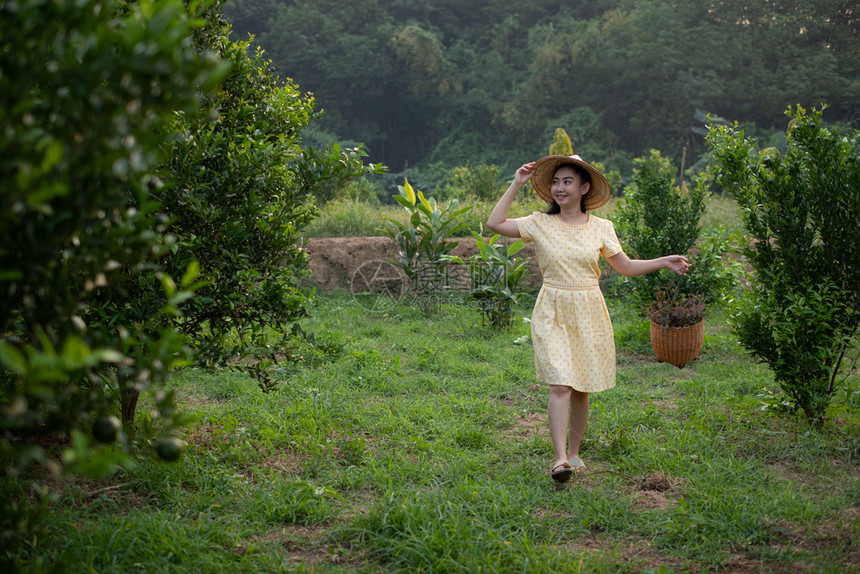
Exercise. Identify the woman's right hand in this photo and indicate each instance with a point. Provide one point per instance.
(524, 173)
(498, 221)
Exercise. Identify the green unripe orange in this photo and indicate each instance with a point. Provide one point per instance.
(170, 448)
(106, 430)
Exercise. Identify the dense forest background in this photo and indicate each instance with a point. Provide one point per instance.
(455, 82)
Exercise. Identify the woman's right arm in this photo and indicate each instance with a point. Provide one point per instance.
(498, 221)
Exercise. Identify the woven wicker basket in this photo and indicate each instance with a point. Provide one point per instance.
(677, 345)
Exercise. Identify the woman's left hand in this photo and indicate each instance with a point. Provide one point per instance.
(678, 264)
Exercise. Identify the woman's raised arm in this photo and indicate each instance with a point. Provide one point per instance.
(498, 221)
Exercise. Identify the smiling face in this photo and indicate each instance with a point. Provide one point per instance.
(568, 187)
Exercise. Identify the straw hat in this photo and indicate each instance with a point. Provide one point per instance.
(545, 168)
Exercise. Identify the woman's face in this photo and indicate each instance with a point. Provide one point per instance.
(567, 188)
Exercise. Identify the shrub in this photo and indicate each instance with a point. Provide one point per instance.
(801, 209)
(656, 218)
(82, 105)
(83, 109)
(496, 276)
(468, 181)
(237, 195)
(424, 243)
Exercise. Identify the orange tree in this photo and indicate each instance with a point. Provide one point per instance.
(142, 210)
(237, 191)
(87, 94)
(84, 109)
(801, 209)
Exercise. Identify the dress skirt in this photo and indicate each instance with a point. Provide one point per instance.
(572, 337)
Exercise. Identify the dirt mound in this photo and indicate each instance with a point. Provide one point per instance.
(336, 262)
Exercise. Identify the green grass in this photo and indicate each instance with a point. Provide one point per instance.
(423, 447)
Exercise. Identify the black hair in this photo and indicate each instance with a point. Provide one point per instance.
(584, 177)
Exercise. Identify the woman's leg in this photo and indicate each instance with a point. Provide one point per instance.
(578, 420)
(560, 401)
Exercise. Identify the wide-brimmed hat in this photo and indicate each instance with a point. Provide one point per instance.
(545, 167)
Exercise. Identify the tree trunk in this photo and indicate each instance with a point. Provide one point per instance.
(128, 405)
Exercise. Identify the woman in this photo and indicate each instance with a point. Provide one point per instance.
(571, 329)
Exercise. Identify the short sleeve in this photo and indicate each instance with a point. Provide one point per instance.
(528, 227)
(611, 245)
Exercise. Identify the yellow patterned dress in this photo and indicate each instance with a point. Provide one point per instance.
(571, 329)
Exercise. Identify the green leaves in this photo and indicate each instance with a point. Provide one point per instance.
(77, 227)
(408, 195)
(13, 359)
(425, 241)
(496, 276)
(473, 79)
(656, 218)
(238, 191)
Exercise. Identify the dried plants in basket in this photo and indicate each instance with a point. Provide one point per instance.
(671, 308)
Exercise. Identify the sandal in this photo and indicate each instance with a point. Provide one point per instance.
(561, 473)
(576, 463)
